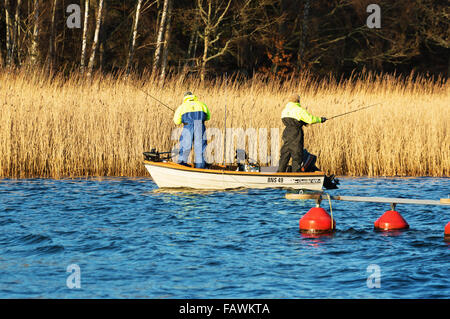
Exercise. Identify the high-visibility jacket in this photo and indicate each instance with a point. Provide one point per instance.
(294, 117)
(295, 111)
(190, 110)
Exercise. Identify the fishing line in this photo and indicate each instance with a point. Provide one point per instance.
(154, 98)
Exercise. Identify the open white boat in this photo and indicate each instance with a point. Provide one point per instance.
(172, 175)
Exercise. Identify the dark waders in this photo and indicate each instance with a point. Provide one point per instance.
(292, 145)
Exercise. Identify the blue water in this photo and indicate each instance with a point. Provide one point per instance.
(130, 240)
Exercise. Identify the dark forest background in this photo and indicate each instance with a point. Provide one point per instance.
(211, 37)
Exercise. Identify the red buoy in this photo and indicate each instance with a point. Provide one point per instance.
(447, 232)
(317, 220)
(391, 220)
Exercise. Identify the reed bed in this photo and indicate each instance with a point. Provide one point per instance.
(70, 127)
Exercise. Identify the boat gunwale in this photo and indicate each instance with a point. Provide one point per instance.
(171, 165)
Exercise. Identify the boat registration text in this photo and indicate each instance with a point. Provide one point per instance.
(294, 180)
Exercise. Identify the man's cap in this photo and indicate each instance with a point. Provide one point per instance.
(187, 93)
(294, 98)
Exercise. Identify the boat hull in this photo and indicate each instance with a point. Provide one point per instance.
(172, 175)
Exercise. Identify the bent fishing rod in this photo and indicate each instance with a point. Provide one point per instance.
(154, 98)
(365, 107)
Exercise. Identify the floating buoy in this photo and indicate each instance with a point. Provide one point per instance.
(317, 221)
(447, 232)
(391, 220)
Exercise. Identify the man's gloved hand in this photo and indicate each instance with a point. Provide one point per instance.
(323, 119)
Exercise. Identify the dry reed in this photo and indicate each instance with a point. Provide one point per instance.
(57, 127)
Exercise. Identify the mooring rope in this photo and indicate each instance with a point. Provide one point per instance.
(331, 210)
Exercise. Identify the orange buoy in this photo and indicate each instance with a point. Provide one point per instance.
(317, 220)
(447, 232)
(391, 220)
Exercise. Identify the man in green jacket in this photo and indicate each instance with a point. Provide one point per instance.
(294, 117)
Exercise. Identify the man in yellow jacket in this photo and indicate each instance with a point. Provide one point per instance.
(294, 117)
(193, 114)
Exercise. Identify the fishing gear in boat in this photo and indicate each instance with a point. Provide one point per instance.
(245, 164)
(155, 156)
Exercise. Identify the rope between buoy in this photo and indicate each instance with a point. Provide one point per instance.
(331, 211)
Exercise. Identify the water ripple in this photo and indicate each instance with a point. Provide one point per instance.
(133, 240)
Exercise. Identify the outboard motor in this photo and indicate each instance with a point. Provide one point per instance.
(309, 165)
(330, 182)
(309, 162)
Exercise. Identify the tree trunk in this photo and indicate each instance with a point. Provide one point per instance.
(51, 48)
(34, 52)
(194, 51)
(166, 43)
(133, 36)
(102, 39)
(161, 32)
(205, 56)
(84, 40)
(302, 45)
(15, 35)
(188, 54)
(8, 34)
(212, 19)
(101, 48)
(95, 41)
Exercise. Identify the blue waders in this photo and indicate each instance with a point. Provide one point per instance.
(193, 131)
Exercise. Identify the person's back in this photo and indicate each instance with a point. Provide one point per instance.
(192, 113)
(191, 110)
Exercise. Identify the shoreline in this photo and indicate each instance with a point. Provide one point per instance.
(149, 177)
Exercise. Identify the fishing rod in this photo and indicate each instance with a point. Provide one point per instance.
(366, 107)
(154, 98)
(225, 127)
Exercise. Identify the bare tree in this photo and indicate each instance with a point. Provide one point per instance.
(95, 40)
(133, 36)
(304, 31)
(15, 32)
(212, 14)
(8, 34)
(51, 49)
(192, 48)
(160, 38)
(84, 37)
(166, 42)
(34, 51)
